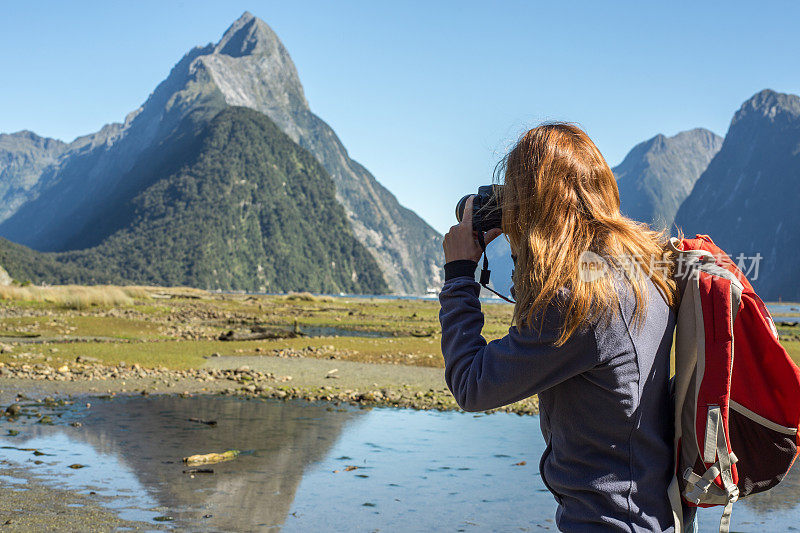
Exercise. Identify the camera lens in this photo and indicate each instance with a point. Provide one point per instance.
(460, 206)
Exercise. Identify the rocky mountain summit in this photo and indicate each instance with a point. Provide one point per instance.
(657, 175)
(66, 207)
(747, 199)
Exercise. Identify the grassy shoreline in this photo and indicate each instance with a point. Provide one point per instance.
(157, 340)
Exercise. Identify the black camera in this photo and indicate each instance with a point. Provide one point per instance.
(486, 215)
(486, 211)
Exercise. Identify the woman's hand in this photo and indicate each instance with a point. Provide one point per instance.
(461, 242)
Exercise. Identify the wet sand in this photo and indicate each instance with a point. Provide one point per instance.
(28, 505)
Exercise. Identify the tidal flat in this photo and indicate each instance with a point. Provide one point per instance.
(368, 351)
(148, 340)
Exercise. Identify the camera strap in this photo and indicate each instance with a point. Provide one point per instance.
(485, 272)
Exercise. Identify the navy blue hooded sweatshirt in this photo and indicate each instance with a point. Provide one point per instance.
(604, 402)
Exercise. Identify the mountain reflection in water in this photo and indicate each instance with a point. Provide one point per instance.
(416, 471)
(148, 437)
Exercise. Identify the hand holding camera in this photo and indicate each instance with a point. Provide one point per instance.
(480, 219)
(461, 242)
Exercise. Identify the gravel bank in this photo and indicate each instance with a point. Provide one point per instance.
(261, 376)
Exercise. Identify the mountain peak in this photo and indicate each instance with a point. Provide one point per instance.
(769, 103)
(251, 68)
(658, 174)
(248, 35)
(695, 132)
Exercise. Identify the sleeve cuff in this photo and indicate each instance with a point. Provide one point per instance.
(462, 267)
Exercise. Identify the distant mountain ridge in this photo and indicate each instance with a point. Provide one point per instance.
(249, 67)
(24, 157)
(657, 175)
(747, 199)
(95, 169)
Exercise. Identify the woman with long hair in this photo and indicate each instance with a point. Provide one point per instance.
(593, 344)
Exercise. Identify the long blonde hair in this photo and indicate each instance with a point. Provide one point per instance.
(560, 200)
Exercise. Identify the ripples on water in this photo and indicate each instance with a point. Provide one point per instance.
(417, 471)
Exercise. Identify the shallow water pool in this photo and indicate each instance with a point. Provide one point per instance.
(414, 470)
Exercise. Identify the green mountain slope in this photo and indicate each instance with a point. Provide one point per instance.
(248, 209)
(24, 264)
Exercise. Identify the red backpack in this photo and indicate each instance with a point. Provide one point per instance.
(737, 392)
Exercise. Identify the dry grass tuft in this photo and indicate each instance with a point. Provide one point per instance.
(136, 291)
(179, 292)
(74, 296)
(306, 297)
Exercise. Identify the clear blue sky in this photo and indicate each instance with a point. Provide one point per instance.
(427, 95)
